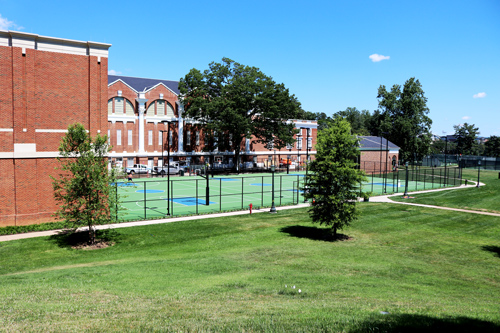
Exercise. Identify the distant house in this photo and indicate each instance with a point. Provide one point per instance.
(378, 154)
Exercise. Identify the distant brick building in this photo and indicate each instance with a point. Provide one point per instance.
(45, 84)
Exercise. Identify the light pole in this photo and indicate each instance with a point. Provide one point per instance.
(478, 171)
(168, 122)
(162, 158)
(406, 180)
(445, 162)
(386, 157)
(273, 208)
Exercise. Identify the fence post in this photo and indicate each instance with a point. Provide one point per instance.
(171, 196)
(262, 192)
(220, 194)
(196, 185)
(116, 200)
(281, 182)
(242, 192)
(145, 199)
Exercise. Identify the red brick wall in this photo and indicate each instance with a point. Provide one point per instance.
(43, 91)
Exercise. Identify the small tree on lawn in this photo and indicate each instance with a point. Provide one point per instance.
(83, 187)
(333, 177)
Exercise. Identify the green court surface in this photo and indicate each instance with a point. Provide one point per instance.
(147, 198)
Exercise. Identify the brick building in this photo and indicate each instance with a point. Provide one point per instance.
(138, 109)
(46, 84)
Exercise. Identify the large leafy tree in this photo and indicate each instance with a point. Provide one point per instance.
(83, 187)
(402, 118)
(466, 136)
(234, 102)
(333, 178)
(359, 120)
(492, 146)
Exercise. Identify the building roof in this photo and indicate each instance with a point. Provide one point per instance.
(375, 143)
(141, 84)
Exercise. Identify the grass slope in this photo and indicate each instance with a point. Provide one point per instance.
(484, 198)
(404, 269)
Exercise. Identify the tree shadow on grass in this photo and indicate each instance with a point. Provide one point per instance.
(313, 233)
(493, 249)
(79, 239)
(419, 323)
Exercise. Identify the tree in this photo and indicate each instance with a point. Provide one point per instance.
(83, 187)
(466, 136)
(492, 146)
(402, 118)
(359, 120)
(238, 102)
(333, 178)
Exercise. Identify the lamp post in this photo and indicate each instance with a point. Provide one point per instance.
(386, 157)
(168, 122)
(162, 149)
(445, 162)
(273, 208)
(478, 171)
(406, 180)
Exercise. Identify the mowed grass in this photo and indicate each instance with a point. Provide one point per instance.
(403, 269)
(484, 198)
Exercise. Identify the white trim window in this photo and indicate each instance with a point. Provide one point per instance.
(130, 141)
(118, 137)
(299, 143)
(197, 137)
(150, 137)
(309, 143)
(170, 138)
(109, 137)
(160, 138)
(188, 138)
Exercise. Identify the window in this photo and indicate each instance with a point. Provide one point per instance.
(109, 137)
(160, 108)
(150, 137)
(129, 137)
(188, 138)
(118, 137)
(309, 132)
(130, 161)
(110, 106)
(129, 108)
(119, 105)
(299, 143)
(160, 138)
(197, 138)
(309, 143)
(170, 138)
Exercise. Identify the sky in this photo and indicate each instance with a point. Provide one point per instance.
(330, 54)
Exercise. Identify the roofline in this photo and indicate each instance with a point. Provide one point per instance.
(133, 77)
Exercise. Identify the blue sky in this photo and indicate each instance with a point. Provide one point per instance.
(320, 50)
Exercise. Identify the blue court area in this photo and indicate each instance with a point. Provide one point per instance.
(150, 191)
(260, 184)
(382, 184)
(296, 174)
(190, 201)
(120, 184)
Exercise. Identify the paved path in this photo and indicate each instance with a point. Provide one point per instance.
(149, 222)
(382, 198)
(386, 199)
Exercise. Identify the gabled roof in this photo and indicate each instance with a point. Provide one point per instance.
(375, 143)
(141, 84)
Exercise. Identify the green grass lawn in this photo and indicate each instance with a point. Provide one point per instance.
(484, 198)
(403, 269)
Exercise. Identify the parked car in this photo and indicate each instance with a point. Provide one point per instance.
(172, 169)
(138, 168)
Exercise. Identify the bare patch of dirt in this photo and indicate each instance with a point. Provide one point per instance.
(99, 244)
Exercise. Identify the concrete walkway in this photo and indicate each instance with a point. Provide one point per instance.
(148, 222)
(386, 199)
(382, 198)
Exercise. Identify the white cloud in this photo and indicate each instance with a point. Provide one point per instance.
(378, 57)
(465, 117)
(7, 25)
(113, 72)
(480, 95)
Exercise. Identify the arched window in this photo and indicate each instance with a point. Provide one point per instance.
(170, 111)
(151, 110)
(160, 107)
(129, 108)
(110, 106)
